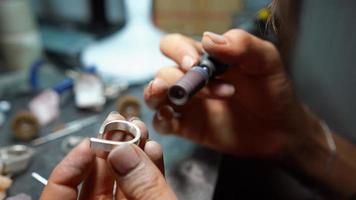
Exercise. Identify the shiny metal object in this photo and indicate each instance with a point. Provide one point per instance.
(2, 119)
(5, 107)
(70, 142)
(15, 158)
(70, 128)
(39, 178)
(116, 125)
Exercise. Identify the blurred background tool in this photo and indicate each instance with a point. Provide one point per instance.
(25, 126)
(5, 107)
(67, 26)
(15, 159)
(39, 178)
(131, 54)
(195, 79)
(20, 43)
(128, 106)
(89, 91)
(70, 142)
(69, 128)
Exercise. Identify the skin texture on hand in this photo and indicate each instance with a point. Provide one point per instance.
(244, 112)
(138, 173)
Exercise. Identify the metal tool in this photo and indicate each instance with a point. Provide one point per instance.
(129, 106)
(15, 158)
(70, 127)
(103, 144)
(89, 91)
(195, 79)
(70, 142)
(199, 76)
(39, 178)
(5, 107)
(2, 119)
(25, 126)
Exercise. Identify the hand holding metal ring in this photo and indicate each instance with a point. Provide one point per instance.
(116, 125)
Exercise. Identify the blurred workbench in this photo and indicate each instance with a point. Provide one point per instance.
(191, 170)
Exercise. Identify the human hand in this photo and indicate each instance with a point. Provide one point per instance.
(137, 172)
(246, 111)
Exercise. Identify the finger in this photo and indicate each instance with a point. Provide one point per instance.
(220, 89)
(136, 175)
(69, 173)
(165, 122)
(143, 129)
(112, 135)
(237, 47)
(99, 184)
(155, 93)
(183, 50)
(154, 152)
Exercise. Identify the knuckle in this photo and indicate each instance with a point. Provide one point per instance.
(162, 72)
(241, 40)
(169, 38)
(149, 187)
(167, 72)
(175, 36)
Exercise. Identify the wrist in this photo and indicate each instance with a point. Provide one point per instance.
(315, 152)
(310, 146)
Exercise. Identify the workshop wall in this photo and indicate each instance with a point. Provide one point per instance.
(202, 15)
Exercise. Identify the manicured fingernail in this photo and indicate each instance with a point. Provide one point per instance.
(123, 159)
(224, 90)
(165, 113)
(215, 38)
(187, 62)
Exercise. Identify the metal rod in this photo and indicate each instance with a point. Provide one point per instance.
(71, 127)
(39, 178)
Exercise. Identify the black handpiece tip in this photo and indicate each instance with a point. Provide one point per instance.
(188, 85)
(178, 95)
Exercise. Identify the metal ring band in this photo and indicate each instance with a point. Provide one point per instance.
(116, 125)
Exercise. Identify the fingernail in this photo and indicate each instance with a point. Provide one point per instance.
(150, 83)
(225, 90)
(113, 113)
(165, 113)
(132, 119)
(216, 38)
(187, 62)
(124, 159)
(157, 83)
(158, 87)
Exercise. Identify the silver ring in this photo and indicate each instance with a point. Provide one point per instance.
(116, 125)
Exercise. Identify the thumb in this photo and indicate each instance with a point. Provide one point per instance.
(137, 176)
(239, 48)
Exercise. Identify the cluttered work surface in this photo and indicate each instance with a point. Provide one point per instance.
(190, 170)
(127, 48)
